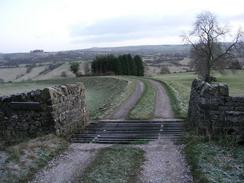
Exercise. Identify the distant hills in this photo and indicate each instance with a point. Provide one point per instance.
(89, 54)
(146, 49)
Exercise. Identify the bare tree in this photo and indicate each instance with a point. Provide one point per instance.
(209, 47)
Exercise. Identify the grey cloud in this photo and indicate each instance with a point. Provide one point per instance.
(116, 37)
(226, 19)
(239, 17)
(127, 28)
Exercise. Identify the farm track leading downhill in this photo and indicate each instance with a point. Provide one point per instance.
(163, 159)
(162, 106)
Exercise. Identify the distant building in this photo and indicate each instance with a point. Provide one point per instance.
(37, 51)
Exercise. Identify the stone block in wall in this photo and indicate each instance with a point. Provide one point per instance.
(237, 99)
(238, 108)
(235, 116)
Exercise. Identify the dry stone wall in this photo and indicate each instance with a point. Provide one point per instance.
(59, 109)
(213, 112)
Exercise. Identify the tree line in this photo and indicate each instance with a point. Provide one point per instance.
(121, 65)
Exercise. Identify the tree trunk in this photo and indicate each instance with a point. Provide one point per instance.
(207, 75)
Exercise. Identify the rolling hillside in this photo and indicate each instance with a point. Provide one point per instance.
(39, 72)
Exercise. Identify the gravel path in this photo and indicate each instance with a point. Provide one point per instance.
(123, 110)
(164, 163)
(3, 158)
(68, 166)
(162, 106)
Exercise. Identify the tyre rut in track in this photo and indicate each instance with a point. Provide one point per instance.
(124, 108)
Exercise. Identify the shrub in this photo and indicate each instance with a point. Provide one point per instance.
(74, 67)
(164, 70)
(63, 74)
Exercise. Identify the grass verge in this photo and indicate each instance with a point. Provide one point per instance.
(103, 94)
(213, 162)
(118, 164)
(144, 109)
(26, 158)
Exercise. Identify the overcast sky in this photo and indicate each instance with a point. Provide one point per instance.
(74, 24)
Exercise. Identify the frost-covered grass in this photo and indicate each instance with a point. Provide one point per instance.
(214, 162)
(144, 109)
(103, 94)
(117, 164)
(25, 159)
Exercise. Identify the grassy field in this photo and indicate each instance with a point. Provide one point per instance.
(40, 71)
(144, 109)
(118, 164)
(180, 85)
(102, 93)
(10, 74)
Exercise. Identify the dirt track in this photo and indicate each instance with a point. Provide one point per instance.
(162, 106)
(123, 110)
